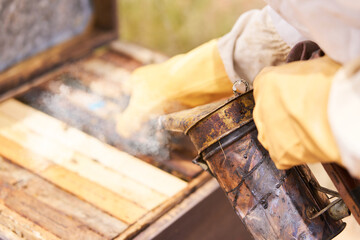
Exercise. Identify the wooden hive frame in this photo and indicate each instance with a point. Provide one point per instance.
(32, 177)
(102, 28)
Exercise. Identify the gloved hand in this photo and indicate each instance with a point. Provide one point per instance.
(184, 81)
(291, 112)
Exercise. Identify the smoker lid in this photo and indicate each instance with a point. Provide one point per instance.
(209, 123)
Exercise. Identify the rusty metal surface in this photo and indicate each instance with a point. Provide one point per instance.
(339, 211)
(182, 121)
(224, 116)
(348, 187)
(272, 203)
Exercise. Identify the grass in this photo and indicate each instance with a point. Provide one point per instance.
(176, 26)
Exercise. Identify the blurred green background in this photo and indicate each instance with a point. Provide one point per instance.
(176, 26)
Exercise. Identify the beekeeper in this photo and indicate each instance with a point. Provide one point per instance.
(306, 111)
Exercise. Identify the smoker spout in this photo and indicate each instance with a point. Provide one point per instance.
(184, 120)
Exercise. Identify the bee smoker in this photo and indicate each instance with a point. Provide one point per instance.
(272, 203)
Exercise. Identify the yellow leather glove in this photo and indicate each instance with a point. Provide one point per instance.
(182, 82)
(291, 112)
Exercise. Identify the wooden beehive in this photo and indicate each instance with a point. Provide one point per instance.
(61, 174)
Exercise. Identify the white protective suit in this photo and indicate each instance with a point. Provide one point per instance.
(264, 37)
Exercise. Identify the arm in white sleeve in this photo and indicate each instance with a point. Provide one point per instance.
(252, 44)
(344, 115)
(333, 24)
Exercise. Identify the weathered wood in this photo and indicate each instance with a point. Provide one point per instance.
(137, 52)
(14, 79)
(64, 202)
(121, 162)
(102, 78)
(81, 164)
(7, 234)
(120, 60)
(86, 100)
(90, 94)
(26, 87)
(181, 166)
(205, 214)
(22, 227)
(59, 106)
(155, 214)
(91, 192)
(105, 14)
(81, 110)
(46, 217)
(97, 195)
(28, 27)
(102, 29)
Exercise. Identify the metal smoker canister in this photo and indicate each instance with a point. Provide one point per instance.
(272, 203)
